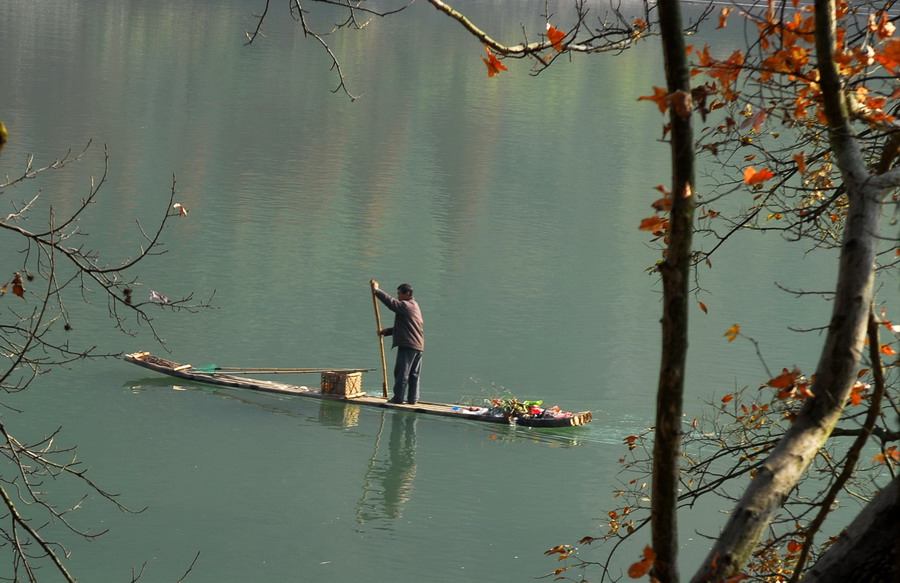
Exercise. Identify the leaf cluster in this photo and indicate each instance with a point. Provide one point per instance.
(765, 135)
(726, 444)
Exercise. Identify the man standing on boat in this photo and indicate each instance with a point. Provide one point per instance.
(408, 338)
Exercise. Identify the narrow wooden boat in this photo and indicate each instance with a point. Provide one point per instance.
(213, 375)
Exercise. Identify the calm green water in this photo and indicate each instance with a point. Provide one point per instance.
(511, 204)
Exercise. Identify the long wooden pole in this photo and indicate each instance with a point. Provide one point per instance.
(384, 386)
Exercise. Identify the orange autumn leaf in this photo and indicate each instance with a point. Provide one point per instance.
(703, 307)
(664, 203)
(725, 72)
(723, 17)
(493, 64)
(660, 97)
(785, 380)
(800, 159)
(639, 569)
(753, 176)
(856, 393)
(556, 37)
(733, 332)
(891, 454)
(756, 120)
(872, 26)
(885, 348)
(794, 547)
(770, 13)
(656, 225)
(642, 567)
(727, 398)
(18, 287)
(885, 27)
(889, 56)
(801, 391)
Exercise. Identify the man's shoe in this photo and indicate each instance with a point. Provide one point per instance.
(396, 401)
(412, 402)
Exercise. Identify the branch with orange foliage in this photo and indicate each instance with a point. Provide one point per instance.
(608, 38)
(772, 113)
(834, 376)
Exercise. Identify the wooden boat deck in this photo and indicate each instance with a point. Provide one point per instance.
(186, 371)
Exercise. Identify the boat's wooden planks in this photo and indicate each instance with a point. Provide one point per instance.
(186, 371)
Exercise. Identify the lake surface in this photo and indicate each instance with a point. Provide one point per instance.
(511, 204)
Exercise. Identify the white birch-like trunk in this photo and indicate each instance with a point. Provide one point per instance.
(840, 358)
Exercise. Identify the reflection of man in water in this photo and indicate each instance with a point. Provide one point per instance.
(401, 468)
(392, 475)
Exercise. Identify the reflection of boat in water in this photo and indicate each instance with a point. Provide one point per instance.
(389, 478)
(215, 375)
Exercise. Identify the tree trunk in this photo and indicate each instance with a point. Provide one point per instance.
(869, 550)
(844, 343)
(675, 270)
